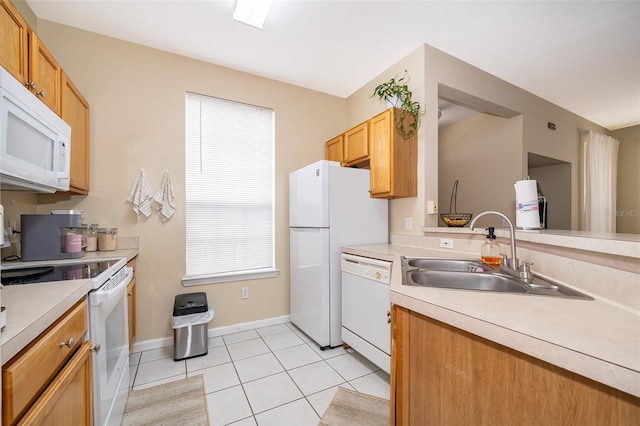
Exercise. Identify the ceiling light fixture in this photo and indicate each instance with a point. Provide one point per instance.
(252, 12)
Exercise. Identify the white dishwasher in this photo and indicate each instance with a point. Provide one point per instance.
(366, 308)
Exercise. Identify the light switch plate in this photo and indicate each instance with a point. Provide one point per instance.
(408, 223)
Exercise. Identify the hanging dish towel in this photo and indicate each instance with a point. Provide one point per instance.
(140, 196)
(164, 198)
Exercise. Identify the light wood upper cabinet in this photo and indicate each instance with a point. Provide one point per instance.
(381, 139)
(333, 150)
(24, 55)
(351, 148)
(378, 146)
(45, 73)
(356, 145)
(441, 375)
(14, 45)
(393, 160)
(75, 112)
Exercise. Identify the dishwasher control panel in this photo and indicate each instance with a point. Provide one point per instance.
(373, 269)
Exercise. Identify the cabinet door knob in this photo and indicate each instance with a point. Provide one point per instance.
(96, 348)
(41, 93)
(68, 344)
(31, 85)
(388, 317)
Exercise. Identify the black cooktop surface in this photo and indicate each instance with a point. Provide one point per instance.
(39, 274)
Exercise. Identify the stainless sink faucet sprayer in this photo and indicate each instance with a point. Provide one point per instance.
(513, 262)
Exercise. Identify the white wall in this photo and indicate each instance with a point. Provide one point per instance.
(628, 196)
(473, 151)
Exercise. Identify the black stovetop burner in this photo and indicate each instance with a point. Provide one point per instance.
(40, 274)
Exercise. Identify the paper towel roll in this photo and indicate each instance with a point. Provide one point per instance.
(527, 216)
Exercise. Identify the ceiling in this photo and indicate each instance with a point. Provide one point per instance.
(581, 55)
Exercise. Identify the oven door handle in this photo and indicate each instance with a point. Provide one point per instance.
(110, 291)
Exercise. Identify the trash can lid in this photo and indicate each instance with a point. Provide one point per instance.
(190, 303)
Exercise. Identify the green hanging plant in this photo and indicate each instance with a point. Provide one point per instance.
(396, 92)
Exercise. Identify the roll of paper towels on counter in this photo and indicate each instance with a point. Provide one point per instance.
(527, 215)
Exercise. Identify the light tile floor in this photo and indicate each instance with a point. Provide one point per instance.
(268, 376)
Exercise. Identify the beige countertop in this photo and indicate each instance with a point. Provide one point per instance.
(596, 339)
(32, 308)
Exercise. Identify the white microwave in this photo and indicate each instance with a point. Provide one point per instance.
(36, 143)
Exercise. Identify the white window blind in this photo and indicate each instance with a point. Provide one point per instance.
(229, 188)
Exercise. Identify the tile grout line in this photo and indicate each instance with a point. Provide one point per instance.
(244, 391)
(286, 371)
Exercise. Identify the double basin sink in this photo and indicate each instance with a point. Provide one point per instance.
(471, 274)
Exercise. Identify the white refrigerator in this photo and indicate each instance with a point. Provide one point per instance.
(329, 208)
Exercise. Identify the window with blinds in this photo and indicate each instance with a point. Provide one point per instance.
(229, 190)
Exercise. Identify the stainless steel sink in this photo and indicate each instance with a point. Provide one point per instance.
(453, 265)
(466, 274)
(468, 281)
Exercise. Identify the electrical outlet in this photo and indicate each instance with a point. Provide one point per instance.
(446, 243)
(245, 293)
(408, 223)
(432, 207)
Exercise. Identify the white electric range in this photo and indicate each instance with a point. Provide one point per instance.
(108, 325)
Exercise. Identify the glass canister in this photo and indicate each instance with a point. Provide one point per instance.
(91, 232)
(107, 239)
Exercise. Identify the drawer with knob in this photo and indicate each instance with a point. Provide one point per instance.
(27, 374)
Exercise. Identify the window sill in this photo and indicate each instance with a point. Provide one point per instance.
(229, 277)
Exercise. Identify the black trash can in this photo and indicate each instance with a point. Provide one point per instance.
(191, 314)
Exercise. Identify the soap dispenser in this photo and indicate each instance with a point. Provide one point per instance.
(490, 250)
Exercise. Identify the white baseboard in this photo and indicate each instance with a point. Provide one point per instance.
(212, 332)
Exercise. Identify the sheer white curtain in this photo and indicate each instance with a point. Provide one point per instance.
(600, 181)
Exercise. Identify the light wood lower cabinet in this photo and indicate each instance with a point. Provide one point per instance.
(68, 399)
(441, 375)
(131, 305)
(51, 375)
